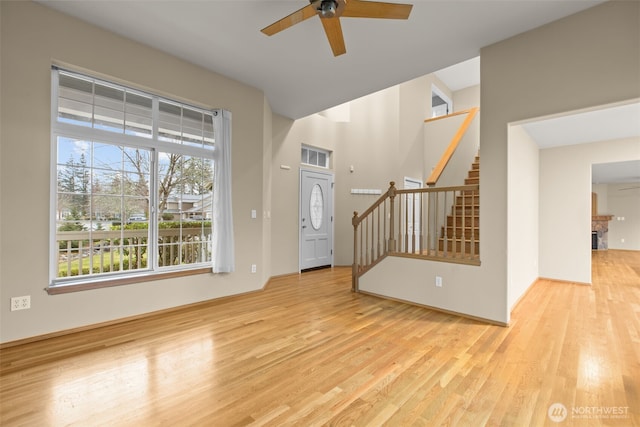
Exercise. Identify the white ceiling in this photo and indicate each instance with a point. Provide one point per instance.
(299, 75)
(295, 68)
(607, 123)
(616, 173)
(461, 75)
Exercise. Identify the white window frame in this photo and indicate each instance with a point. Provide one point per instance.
(318, 151)
(435, 91)
(155, 146)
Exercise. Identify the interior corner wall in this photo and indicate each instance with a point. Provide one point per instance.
(380, 142)
(288, 137)
(368, 144)
(601, 191)
(523, 200)
(414, 107)
(267, 188)
(31, 37)
(466, 98)
(584, 60)
(565, 205)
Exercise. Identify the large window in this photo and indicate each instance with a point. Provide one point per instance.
(134, 182)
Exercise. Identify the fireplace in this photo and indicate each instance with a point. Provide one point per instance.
(600, 232)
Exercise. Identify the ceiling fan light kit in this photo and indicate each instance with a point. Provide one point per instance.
(330, 11)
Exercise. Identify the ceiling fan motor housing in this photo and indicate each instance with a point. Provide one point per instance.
(328, 8)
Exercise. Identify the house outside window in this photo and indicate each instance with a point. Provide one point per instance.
(132, 182)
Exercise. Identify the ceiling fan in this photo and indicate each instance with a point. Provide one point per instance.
(330, 12)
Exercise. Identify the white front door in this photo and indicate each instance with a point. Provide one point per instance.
(316, 219)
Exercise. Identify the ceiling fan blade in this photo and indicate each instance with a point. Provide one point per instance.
(291, 20)
(333, 29)
(376, 9)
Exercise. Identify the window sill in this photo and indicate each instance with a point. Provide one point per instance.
(99, 284)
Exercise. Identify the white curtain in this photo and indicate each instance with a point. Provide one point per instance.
(223, 245)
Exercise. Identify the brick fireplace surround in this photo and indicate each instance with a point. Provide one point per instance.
(600, 228)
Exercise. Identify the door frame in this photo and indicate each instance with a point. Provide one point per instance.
(331, 198)
(413, 183)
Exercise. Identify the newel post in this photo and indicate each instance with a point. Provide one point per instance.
(392, 196)
(354, 270)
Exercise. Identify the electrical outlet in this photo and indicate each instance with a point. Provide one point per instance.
(21, 303)
(254, 268)
(438, 281)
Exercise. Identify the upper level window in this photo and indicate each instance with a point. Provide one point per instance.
(134, 182)
(315, 157)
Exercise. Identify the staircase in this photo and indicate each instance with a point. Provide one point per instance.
(462, 231)
(432, 223)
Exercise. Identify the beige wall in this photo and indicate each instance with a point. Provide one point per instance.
(267, 195)
(585, 60)
(33, 37)
(623, 201)
(588, 59)
(368, 141)
(380, 135)
(466, 98)
(565, 205)
(602, 192)
(523, 227)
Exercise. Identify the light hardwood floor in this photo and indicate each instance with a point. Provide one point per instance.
(307, 351)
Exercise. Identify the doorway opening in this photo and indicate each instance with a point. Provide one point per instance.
(441, 104)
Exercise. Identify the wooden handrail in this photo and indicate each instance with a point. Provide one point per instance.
(446, 116)
(357, 219)
(448, 153)
(429, 223)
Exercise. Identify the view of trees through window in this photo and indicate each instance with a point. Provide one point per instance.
(138, 201)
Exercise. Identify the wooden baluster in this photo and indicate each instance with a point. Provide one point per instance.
(378, 240)
(362, 248)
(354, 268)
(463, 234)
(444, 215)
(429, 227)
(473, 224)
(413, 226)
(404, 226)
(433, 212)
(374, 254)
(384, 229)
(422, 225)
(367, 249)
(392, 195)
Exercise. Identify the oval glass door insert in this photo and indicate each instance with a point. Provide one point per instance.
(316, 206)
